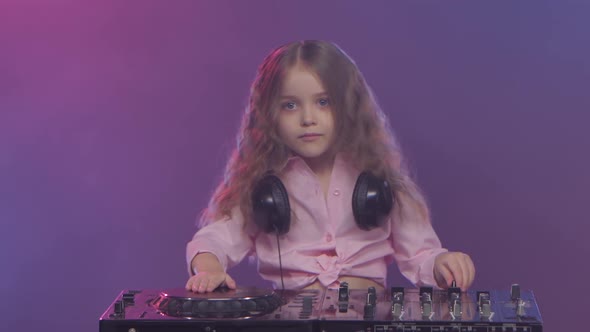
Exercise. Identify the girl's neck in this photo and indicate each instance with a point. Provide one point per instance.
(321, 166)
(323, 170)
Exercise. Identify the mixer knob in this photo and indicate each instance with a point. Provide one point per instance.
(515, 292)
(485, 309)
(456, 309)
(397, 293)
(343, 292)
(397, 310)
(426, 304)
(520, 304)
(481, 296)
(372, 295)
(397, 301)
(343, 296)
(426, 309)
(454, 298)
(307, 307)
(369, 312)
(453, 289)
(428, 290)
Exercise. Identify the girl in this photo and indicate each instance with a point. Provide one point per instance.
(313, 122)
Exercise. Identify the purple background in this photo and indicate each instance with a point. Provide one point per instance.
(116, 119)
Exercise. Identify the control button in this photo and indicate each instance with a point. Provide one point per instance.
(369, 313)
(486, 309)
(307, 305)
(129, 297)
(119, 308)
(336, 192)
(371, 295)
(520, 312)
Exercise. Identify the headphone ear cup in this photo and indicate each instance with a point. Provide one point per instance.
(270, 204)
(371, 201)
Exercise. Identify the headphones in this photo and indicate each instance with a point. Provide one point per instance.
(371, 203)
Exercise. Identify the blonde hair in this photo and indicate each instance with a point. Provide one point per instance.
(362, 129)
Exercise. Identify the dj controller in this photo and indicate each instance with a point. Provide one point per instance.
(334, 310)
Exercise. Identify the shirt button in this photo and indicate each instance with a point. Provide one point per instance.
(329, 238)
(336, 192)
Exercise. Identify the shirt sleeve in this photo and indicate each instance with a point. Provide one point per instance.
(415, 246)
(227, 239)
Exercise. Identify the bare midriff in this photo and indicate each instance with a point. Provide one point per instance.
(353, 283)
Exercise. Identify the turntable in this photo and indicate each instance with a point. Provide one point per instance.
(243, 309)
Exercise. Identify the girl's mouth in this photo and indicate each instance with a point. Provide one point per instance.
(308, 137)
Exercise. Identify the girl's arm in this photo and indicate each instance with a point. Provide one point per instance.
(419, 253)
(216, 248)
(206, 262)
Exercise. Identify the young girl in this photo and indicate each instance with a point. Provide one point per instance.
(313, 121)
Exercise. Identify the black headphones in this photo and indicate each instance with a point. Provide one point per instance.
(371, 203)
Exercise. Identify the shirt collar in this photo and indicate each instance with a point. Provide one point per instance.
(297, 161)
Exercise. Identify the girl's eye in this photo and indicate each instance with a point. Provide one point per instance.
(289, 105)
(324, 102)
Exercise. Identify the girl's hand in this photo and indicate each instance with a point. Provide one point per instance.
(456, 266)
(204, 282)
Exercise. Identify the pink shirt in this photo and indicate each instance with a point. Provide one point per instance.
(324, 241)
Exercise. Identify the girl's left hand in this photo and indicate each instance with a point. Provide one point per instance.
(457, 266)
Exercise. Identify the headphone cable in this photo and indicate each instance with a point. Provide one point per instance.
(280, 261)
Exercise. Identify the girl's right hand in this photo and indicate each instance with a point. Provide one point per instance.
(204, 282)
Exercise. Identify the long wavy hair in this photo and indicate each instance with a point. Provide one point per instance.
(362, 130)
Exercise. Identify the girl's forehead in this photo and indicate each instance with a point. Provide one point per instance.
(301, 80)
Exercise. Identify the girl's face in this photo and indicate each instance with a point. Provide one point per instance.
(306, 121)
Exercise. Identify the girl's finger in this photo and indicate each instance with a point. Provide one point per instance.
(455, 268)
(446, 274)
(230, 282)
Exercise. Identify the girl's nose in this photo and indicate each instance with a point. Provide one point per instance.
(308, 116)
